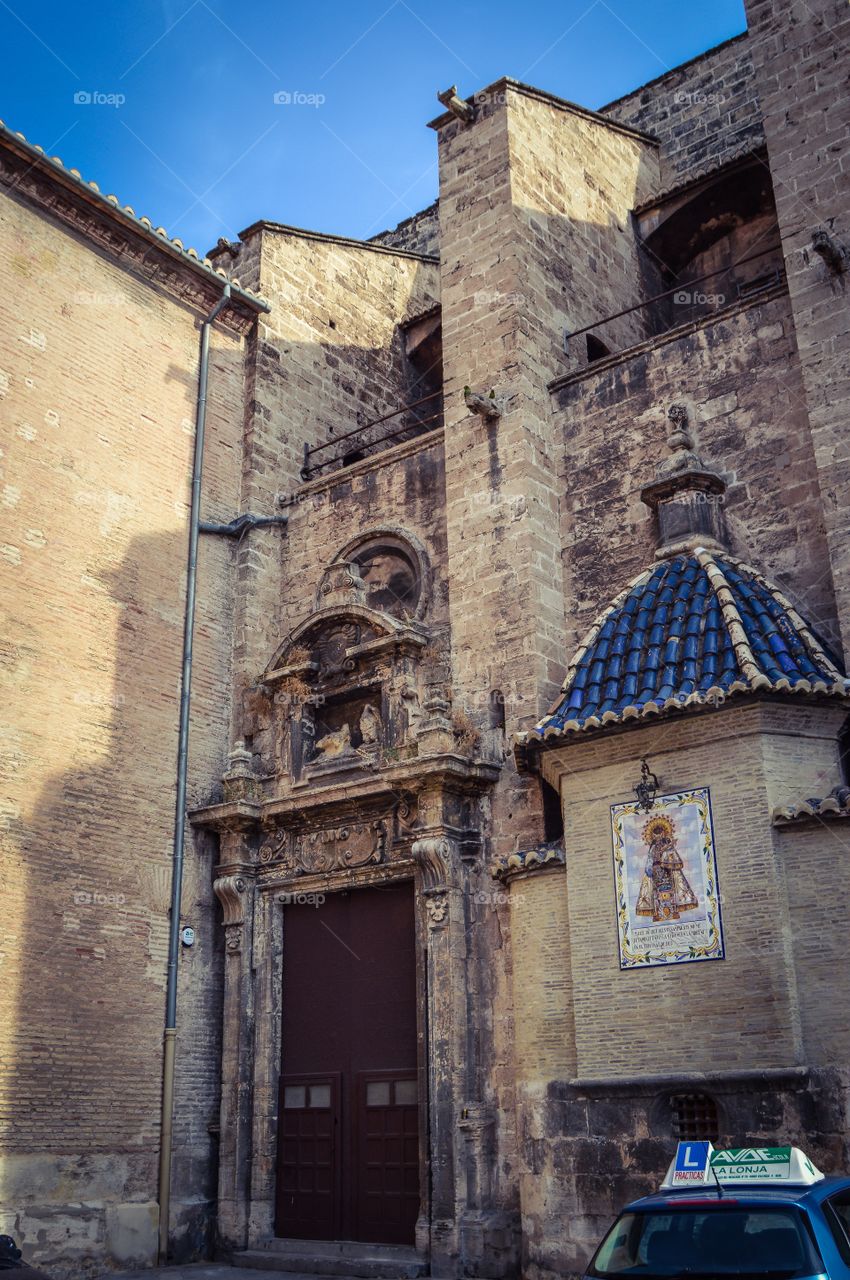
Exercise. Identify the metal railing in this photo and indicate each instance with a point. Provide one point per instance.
(691, 302)
(363, 447)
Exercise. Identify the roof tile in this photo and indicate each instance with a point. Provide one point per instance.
(692, 629)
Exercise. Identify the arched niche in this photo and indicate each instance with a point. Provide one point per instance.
(338, 683)
(395, 570)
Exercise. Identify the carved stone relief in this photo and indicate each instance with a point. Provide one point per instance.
(342, 848)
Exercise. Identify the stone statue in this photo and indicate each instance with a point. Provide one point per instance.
(336, 743)
(370, 726)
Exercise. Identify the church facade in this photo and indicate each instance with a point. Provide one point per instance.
(518, 791)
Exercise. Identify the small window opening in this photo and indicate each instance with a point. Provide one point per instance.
(596, 348)
(355, 455)
(553, 818)
(497, 709)
(695, 1117)
(844, 752)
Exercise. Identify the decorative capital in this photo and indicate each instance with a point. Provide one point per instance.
(433, 854)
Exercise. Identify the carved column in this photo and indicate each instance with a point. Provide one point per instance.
(447, 1030)
(234, 890)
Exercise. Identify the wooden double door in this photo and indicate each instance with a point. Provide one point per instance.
(348, 1116)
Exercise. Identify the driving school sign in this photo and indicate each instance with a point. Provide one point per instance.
(753, 1164)
(698, 1164)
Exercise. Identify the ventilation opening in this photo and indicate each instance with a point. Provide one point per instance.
(553, 820)
(356, 455)
(694, 1117)
(596, 348)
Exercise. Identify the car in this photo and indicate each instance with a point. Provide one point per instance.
(11, 1260)
(741, 1219)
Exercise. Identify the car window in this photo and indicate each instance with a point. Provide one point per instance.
(762, 1243)
(838, 1217)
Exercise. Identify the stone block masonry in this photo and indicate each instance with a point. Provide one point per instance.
(702, 112)
(807, 134)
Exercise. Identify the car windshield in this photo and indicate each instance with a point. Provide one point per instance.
(759, 1243)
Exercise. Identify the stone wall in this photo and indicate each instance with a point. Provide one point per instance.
(702, 112)
(802, 77)
(738, 376)
(403, 492)
(419, 233)
(527, 247)
(329, 357)
(98, 386)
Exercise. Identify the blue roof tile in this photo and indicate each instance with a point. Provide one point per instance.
(670, 637)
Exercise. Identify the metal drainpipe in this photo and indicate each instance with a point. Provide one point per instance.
(170, 1036)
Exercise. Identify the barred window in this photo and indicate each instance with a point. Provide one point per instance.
(694, 1116)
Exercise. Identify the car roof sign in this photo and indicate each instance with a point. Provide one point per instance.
(697, 1164)
(690, 1166)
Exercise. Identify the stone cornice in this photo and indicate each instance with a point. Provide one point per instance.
(662, 339)
(551, 100)
(346, 242)
(132, 242)
(407, 777)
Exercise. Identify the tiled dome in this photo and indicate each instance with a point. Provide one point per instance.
(693, 629)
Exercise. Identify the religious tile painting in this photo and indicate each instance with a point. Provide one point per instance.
(665, 871)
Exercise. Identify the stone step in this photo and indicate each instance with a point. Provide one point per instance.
(340, 1258)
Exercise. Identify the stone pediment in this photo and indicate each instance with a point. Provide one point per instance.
(337, 634)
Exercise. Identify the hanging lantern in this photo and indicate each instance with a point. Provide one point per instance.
(647, 789)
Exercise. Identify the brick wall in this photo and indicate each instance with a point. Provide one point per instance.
(597, 1135)
(702, 112)
(543, 980)
(98, 388)
(634, 1019)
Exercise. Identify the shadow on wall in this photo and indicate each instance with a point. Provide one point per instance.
(85, 940)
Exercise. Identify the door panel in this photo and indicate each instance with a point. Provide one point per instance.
(308, 1200)
(387, 1156)
(348, 1135)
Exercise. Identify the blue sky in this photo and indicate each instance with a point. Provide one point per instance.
(200, 145)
